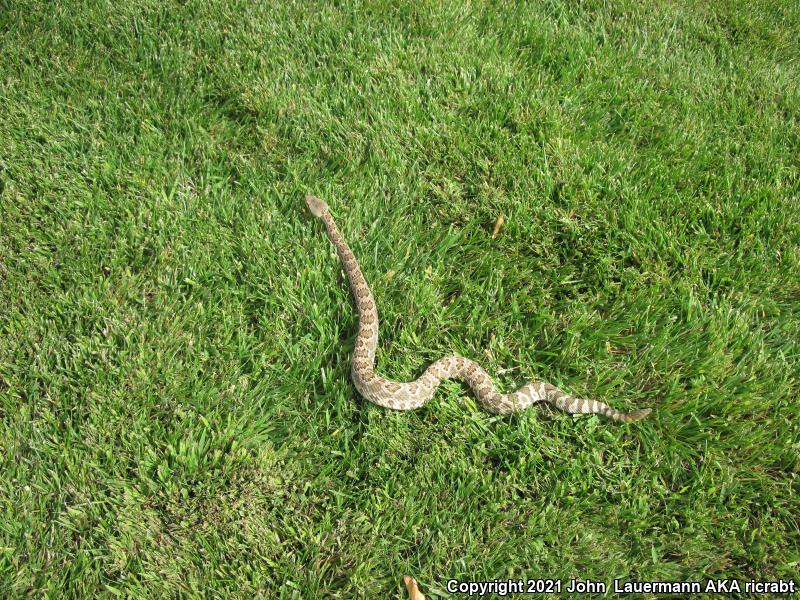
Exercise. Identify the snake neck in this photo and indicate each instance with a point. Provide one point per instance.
(367, 339)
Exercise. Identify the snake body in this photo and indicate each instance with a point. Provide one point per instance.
(408, 396)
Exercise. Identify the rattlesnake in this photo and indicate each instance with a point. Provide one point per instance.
(408, 396)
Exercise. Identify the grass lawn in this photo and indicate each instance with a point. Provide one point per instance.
(176, 413)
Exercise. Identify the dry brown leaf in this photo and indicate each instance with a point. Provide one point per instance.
(413, 589)
(498, 224)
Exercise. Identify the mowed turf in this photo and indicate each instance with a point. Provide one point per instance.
(175, 331)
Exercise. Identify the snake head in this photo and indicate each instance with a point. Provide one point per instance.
(316, 206)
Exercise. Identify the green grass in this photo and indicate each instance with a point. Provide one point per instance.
(175, 333)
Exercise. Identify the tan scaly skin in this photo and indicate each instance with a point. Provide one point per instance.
(408, 396)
